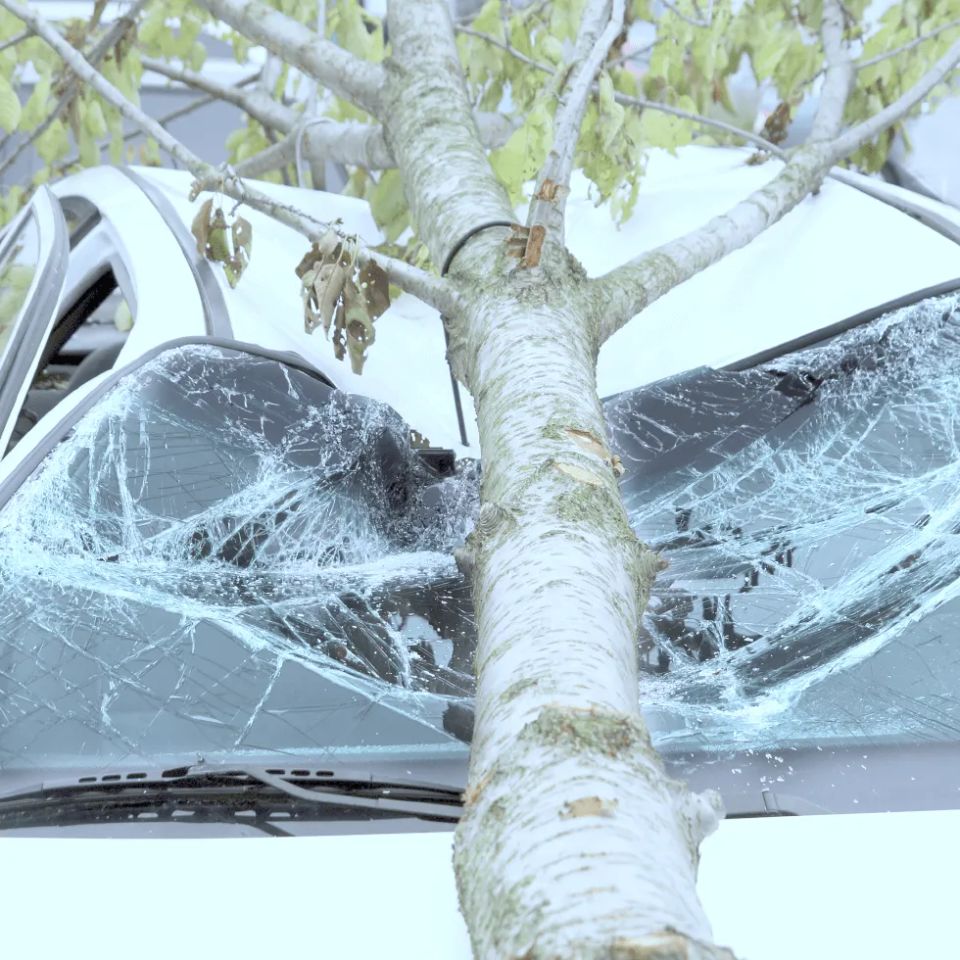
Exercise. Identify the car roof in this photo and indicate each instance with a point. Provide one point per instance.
(839, 253)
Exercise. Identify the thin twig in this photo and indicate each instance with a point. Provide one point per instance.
(506, 47)
(432, 290)
(632, 55)
(880, 57)
(13, 41)
(258, 104)
(688, 19)
(99, 50)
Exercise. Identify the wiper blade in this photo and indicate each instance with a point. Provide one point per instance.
(222, 793)
(415, 798)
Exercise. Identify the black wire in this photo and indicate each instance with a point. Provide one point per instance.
(454, 250)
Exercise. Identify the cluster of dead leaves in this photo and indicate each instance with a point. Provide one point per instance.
(221, 242)
(336, 295)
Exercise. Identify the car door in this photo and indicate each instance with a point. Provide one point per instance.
(33, 263)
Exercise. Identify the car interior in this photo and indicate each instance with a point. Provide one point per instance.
(87, 337)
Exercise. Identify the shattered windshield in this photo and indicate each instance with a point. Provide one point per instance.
(201, 568)
(205, 569)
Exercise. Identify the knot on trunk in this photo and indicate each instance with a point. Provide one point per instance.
(492, 519)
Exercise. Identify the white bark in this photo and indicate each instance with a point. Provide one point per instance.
(600, 25)
(573, 843)
(431, 131)
(838, 76)
(630, 288)
(346, 76)
(350, 142)
(256, 102)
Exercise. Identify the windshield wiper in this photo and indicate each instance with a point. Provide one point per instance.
(223, 794)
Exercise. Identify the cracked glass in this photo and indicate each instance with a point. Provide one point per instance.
(204, 568)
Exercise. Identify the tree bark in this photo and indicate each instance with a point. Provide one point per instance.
(574, 843)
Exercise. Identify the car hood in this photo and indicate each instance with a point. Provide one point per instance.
(783, 888)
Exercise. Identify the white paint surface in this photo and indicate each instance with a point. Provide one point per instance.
(877, 886)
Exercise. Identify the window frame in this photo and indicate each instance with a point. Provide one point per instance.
(38, 313)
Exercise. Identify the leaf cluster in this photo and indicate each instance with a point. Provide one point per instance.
(342, 296)
(221, 242)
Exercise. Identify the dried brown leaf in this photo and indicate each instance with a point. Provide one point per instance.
(200, 228)
(376, 289)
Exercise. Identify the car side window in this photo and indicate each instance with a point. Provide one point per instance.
(92, 321)
(33, 263)
(18, 265)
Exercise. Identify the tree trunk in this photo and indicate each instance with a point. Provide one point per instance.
(574, 844)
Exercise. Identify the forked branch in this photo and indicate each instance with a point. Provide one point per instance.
(106, 42)
(432, 290)
(600, 25)
(638, 283)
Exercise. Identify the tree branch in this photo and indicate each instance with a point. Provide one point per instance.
(624, 99)
(258, 104)
(598, 31)
(100, 49)
(432, 290)
(838, 77)
(13, 41)
(432, 133)
(704, 21)
(880, 57)
(638, 283)
(350, 142)
(862, 133)
(330, 65)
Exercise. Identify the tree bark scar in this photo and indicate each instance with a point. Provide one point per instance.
(550, 190)
(531, 256)
(526, 243)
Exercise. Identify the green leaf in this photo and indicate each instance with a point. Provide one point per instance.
(522, 156)
(196, 57)
(117, 146)
(350, 23)
(611, 113)
(38, 106)
(54, 143)
(94, 120)
(389, 206)
(490, 21)
(10, 109)
(766, 57)
(659, 129)
(88, 149)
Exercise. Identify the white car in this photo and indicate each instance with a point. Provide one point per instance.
(229, 608)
